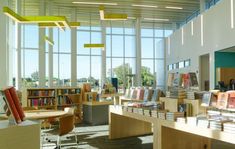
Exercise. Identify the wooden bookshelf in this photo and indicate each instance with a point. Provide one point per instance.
(70, 97)
(42, 98)
(56, 98)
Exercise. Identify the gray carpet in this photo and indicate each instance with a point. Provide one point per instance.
(96, 137)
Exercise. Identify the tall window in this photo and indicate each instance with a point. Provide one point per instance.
(89, 59)
(120, 52)
(30, 52)
(61, 57)
(152, 52)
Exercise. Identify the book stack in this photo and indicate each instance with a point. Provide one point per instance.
(146, 111)
(177, 93)
(172, 116)
(181, 120)
(154, 113)
(129, 109)
(140, 111)
(135, 110)
(229, 127)
(191, 95)
(192, 121)
(125, 108)
(203, 122)
(217, 124)
(162, 115)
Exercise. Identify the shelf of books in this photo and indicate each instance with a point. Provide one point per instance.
(70, 97)
(42, 98)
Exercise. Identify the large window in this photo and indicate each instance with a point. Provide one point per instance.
(29, 55)
(121, 52)
(61, 57)
(152, 54)
(89, 59)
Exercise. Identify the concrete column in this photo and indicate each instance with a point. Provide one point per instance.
(50, 51)
(3, 43)
(212, 70)
(42, 59)
(138, 79)
(74, 50)
(202, 6)
(103, 54)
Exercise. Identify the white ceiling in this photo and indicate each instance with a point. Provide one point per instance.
(87, 12)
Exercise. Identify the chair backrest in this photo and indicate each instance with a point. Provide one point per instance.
(66, 124)
(69, 110)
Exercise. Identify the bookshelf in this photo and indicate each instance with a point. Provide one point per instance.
(70, 97)
(56, 98)
(42, 98)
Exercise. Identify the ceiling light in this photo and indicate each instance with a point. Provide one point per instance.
(131, 18)
(148, 6)
(156, 19)
(112, 17)
(170, 7)
(95, 3)
(94, 45)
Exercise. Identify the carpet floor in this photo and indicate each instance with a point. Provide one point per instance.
(96, 137)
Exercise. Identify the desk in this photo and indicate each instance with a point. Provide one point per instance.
(96, 112)
(23, 136)
(166, 134)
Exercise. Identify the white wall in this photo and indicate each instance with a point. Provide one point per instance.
(217, 35)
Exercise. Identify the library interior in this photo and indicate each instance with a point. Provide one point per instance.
(117, 74)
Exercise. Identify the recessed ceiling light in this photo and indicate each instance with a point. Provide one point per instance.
(170, 7)
(148, 6)
(156, 19)
(95, 3)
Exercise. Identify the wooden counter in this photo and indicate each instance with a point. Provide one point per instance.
(166, 134)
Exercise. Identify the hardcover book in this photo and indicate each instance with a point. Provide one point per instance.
(11, 105)
(140, 94)
(170, 79)
(155, 95)
(231, 99)
(206, 99)
(193, 79)
(222, 100)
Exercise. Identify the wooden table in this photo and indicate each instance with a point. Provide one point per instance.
(166, 134)
(43, 114)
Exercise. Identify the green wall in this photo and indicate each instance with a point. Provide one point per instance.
(224, 59)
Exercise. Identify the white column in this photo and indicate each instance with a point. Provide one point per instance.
(74, 50)
(103, 58)
(42, 59)
(3, 43)
(212, 70)
(50, 51)
(138, 53)
(202, 5)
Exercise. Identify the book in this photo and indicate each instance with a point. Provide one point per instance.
(155, 95)
(11, 106)
(222, 100)
(193, 79)
(231, 99)
(185, 80)
(140, 94)
(206, 99)
(176, 80)
(17, 103)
